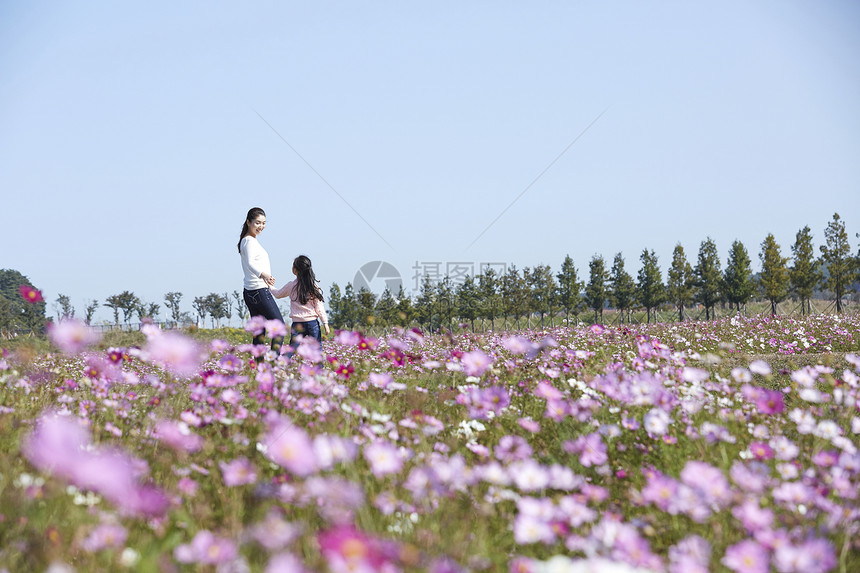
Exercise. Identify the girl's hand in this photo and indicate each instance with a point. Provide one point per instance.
(325, 326)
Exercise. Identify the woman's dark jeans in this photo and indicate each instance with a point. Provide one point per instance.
(261, 303)
(310, 328)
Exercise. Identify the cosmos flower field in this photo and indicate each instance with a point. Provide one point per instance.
(699, 446)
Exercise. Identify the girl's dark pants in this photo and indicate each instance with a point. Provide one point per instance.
(310, 328)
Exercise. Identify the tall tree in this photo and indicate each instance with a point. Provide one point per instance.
(405, 310)
(199, 304)
(64, 307)
(228, 307)
(774, 273)
(114, 302)
(680, 286)
(708, 277)
(508, 286)
(171, 301)
(349, 307)
(650, 291)
(837, 260)
(335, 303)
(468, 300)
(445, 301)
(543, 292)
(595, 290)
(425, 304)
(90, 310)
(366, 306)
(488, 284)
(386, 308)
(520, 296)
(241, 307)
(738, 281)
(569, 288)
(622, 289)
(216, 307)
(803, 274)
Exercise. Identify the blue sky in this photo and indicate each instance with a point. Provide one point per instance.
(132, 145)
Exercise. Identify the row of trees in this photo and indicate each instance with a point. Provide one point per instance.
(537, 292)
(214, 306)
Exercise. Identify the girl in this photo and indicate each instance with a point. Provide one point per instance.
(258, 274)
(306, 302)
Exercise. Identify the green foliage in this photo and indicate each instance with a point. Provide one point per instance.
(803, 274)
(595, 290)
(64, 307)
(774, 273)
(15, 312)
(708, 277)
(171, 301)
(468, 300)
(622, 289)
(738, 280)
(488, 284)
(681, 284)
(837, 260)
(650, 291)
(386, 308)
(543, 291)
(569, 288)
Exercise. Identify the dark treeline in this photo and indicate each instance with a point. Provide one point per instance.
(538, 296)
(531, 296)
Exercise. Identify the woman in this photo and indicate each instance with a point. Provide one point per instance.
(258, 274)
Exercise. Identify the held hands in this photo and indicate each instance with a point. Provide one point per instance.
(270, 280)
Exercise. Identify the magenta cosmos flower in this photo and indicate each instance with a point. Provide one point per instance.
(30, 294)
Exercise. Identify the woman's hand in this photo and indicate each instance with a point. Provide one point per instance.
(270, 280)
(325, 326)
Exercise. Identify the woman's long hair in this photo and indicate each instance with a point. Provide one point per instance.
(306, 282)
(252, 214)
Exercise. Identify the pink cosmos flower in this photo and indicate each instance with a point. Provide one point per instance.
(238, 472)
(290, 447)
(747, 557)
(760, 367)
(178, 436)
(347, 337)
(30, 294)
(206, 549)
(517, 344)
(178, 354)
(529, 425)
(761, 451)
(656, 422)
(63, 448)
(475, 363)
(770, 402)
(274, 533)
(310, 350)
(106, 535)
(352, 550)
(383, 458)
(532, 529)
(72, 336)
(256, 325)
(285, 563)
